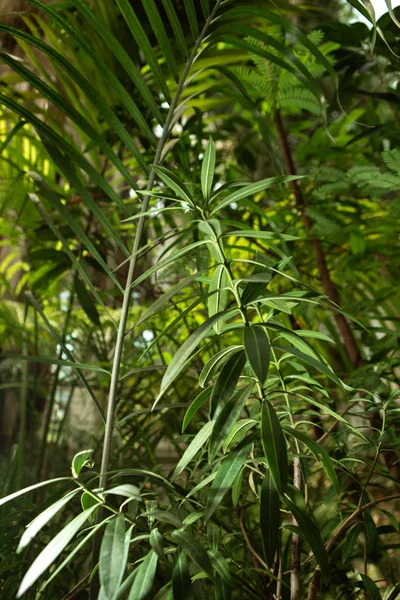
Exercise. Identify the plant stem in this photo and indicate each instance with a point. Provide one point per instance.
(330, 289)
(296, 542)
(119, 346)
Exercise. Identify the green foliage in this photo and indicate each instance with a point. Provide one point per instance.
(199, 225)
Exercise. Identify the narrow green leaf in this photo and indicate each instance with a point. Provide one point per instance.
(161, 35)
(326, 410)
(207, 170)
(192, 18)
(227, 417)
(269, 518)
(313, 362)
(224, 479)
(52, 551)
(113, 556)
(125, 489)
(194, 549)
(80, 460)
(257, 350)
(176, 27)
(122, 56)
(76, 117)
(185, 352)
(41, 520)
(261, 235)
(195, 406)
(309, 531)
(274, 445)
(174, 184)
(30, 488)
(370, 587)
(70, 219)
(226, 382)
(237, 432)
(218, 293)
(350, 542)
(139, 34)
(144, 579)
(86, 301)
(220, 565)
(254, 288)
(76, 156)
(82, 83)
(251, 189)
(215, 362)
(195, 445)
(181, 580)
(171, 258)
(156, 542)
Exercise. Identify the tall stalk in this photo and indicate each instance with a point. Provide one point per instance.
(119, 346)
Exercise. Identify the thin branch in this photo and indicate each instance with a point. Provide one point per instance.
(295, 590)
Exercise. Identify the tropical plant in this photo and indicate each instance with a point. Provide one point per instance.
(200, 234)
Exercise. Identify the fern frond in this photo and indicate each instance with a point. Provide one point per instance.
(298, 98)
(391, 159)
(255, 79)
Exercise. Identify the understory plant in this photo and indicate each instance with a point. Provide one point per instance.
(200, 234)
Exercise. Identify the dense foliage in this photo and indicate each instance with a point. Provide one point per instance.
(200, 300)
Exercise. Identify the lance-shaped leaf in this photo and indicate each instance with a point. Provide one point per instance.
(220, 565)
(254, 288)
(174, 184)
(226, 382)
(317, 364)
(207, 170)
(181, 580)
(269, 518)
(214, 363)
(156, 542)
(371, 588)
(227, 417)
(10, 497)
(52, 551)
(194, 549)
(251, 189)
(41, 520)
(309, 531)
(195, 445)
(350, 542)
(274, 445)
(258, 351)
(218, 293)
(224, 479)
(195, 406)
(144, 578)
(113, 556)
(185, 352)
(86, 301)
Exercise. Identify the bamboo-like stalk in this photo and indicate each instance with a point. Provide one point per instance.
(295, 590)
(119, 346)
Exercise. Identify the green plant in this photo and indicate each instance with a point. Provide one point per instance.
(191, 290)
